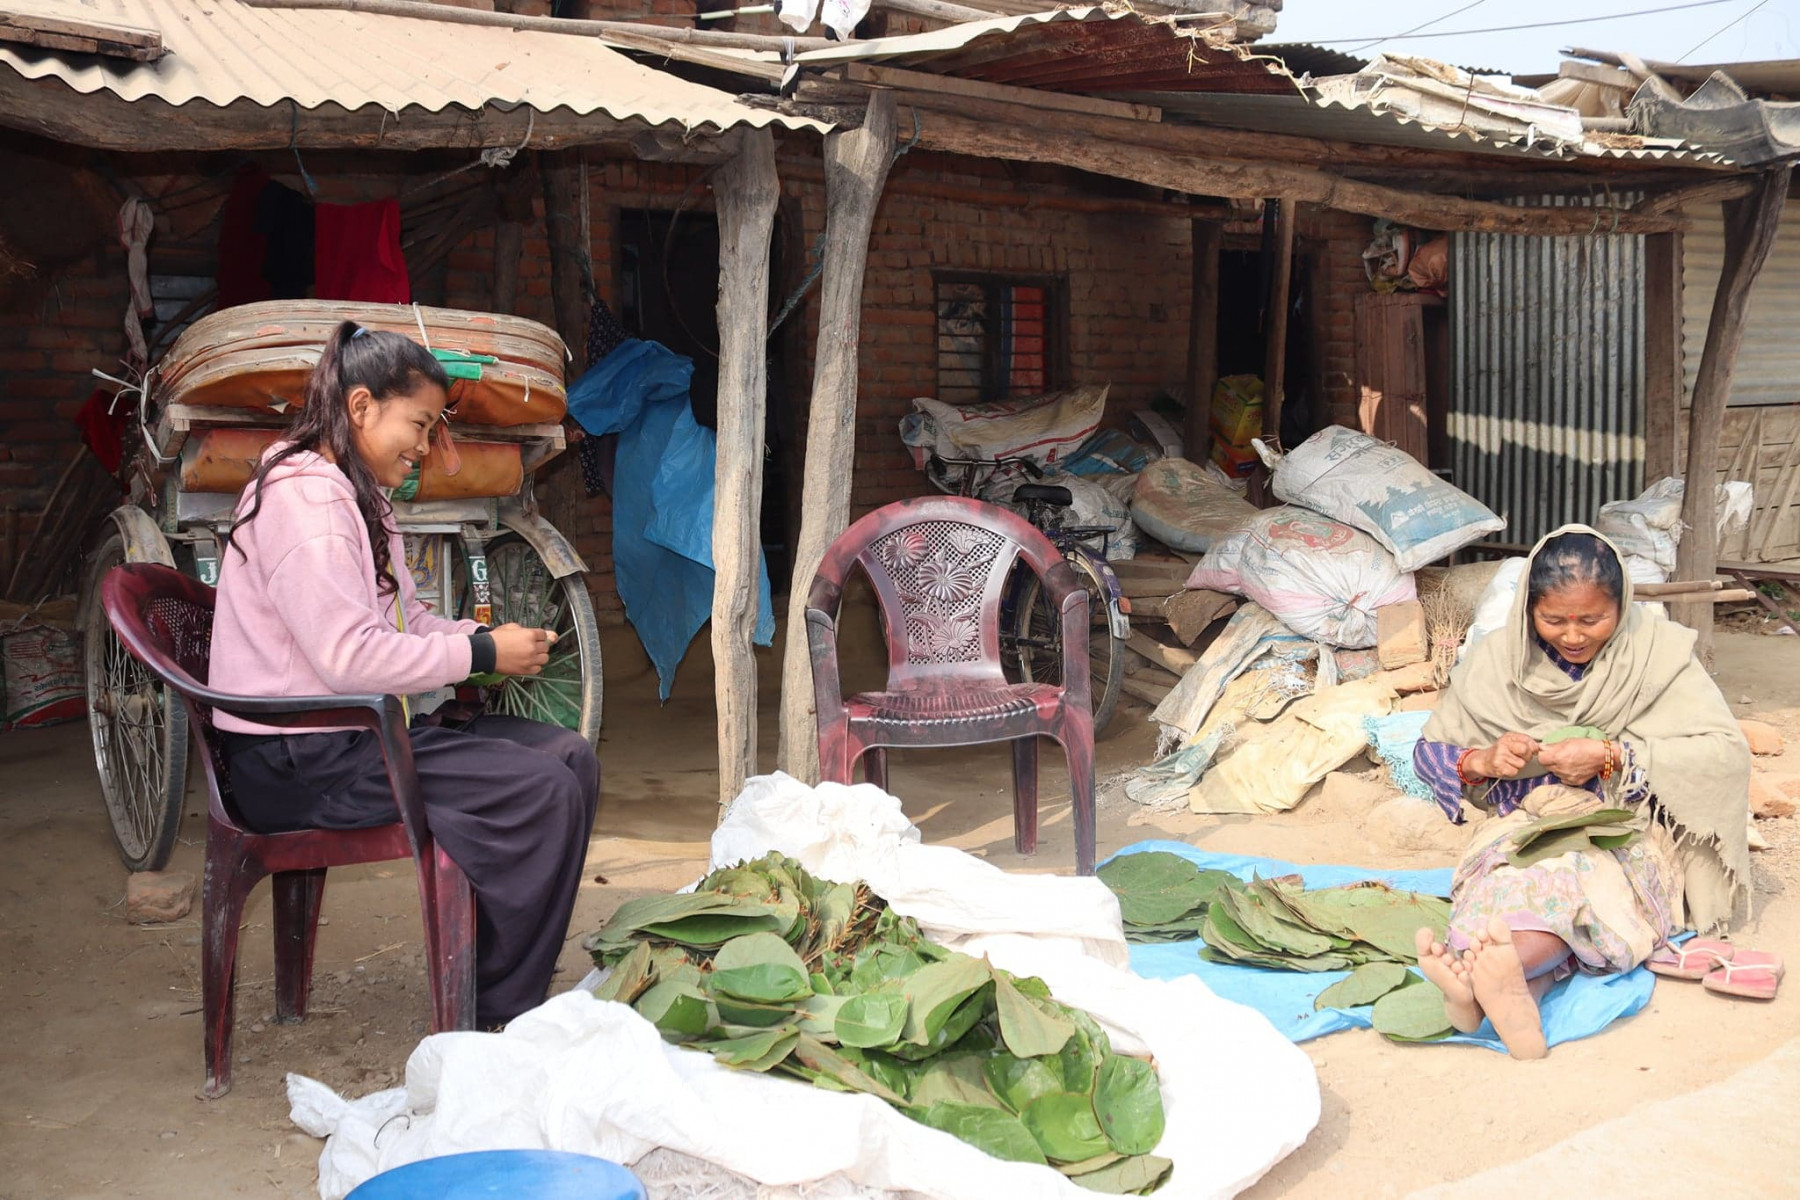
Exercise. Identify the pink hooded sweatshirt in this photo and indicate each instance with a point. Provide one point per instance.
(299, 613)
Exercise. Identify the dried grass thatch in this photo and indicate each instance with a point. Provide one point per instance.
(1449, 596)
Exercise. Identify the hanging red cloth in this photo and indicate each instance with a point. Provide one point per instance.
(103, 431)
(241, 247)
(356, 253)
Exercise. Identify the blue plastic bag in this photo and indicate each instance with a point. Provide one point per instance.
(662, 498)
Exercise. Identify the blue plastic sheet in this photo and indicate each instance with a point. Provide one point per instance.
(1578, 1007)
(662, 498)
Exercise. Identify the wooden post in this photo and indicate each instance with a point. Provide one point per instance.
(513, 194)
(1203, 338)
(746, 190)
(1275, 321)
(570, 264)
(856, 168)
(1663, 382)
(1750, 227)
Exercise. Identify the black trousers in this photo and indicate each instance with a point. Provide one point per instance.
(510, 800)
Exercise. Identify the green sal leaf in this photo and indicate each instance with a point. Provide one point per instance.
(630, 976)
(1129, 1105)
(1065, 1127)
(844, 1072)
(733, 1011)
(760, 968)
(871, 1019)
(1569, 733)
(1154, 887)
(755, 1051)
(977, 1005)
(1365, 985)
(1412, 1013)
(1019, 1081)
(1081, 1058)
(1028, 1030)
(1137, 1176)
(677, 1009)
(993, 1130)
(935, 991)
(951, 1079)
(818, 1015)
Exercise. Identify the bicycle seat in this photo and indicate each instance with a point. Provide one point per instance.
(1043, 493)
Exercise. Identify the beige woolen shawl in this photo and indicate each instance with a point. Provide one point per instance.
(1644, 687)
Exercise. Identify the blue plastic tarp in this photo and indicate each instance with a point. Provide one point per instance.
(1578, 1007)
(662, 498)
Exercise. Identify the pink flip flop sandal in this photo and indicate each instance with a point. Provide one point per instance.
(1693, 959)
(1751, 973)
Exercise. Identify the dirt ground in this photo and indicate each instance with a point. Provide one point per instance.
(101, 1027)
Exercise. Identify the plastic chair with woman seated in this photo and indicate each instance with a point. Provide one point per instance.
(939, 566)
(164, 618)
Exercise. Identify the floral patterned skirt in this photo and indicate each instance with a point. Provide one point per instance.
(1612, 907)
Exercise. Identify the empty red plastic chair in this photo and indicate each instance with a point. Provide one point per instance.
(164, 619)
(939, 566)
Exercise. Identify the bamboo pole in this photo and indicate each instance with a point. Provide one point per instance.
(1275, 321)
(856, 168)
(1750, 227)
(427, 10)
(746, 189)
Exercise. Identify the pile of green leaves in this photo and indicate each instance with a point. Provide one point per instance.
(770, 969)
(1278, 923)
(1408, 1007)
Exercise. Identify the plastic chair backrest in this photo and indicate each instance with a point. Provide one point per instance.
(939, 567)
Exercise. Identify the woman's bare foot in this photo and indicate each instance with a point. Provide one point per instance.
(1452, 978)
(1498, 980)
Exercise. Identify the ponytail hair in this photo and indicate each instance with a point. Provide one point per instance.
(388, 364)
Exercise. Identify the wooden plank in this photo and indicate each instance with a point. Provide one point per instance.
(1611, 77)
(746, 190)
(1390, 371)
(1149, 693)
(1782, 499)
(950, 85)
(1750, 228)
(1192, 611)
(1207, 239)
(37, 25)
(1663, 384)
(856, 169)
(1735, 543)
(1169, 657)
(1275, 321)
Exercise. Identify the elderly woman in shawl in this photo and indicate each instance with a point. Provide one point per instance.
(1614, 784)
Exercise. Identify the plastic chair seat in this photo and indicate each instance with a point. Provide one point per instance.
(962, 705)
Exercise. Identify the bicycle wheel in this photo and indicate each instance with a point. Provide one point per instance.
(140, 733)
(567, 692)
(1035, 647)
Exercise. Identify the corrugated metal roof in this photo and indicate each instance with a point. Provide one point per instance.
(224, 52)
(1081, 50)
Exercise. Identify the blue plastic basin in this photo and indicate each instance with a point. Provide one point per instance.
(525, 1174)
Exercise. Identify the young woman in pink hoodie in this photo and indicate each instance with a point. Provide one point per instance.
(315, 599)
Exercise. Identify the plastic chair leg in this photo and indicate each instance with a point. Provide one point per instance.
(875, 766)
(837, 753)
(229, 879)
(450, 946)
(1080, 752)
(297, 898)
(1025, 794)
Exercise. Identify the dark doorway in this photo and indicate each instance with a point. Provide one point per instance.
(669, 293)
(1245, 283)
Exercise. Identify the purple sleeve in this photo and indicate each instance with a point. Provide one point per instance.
(1435, 764)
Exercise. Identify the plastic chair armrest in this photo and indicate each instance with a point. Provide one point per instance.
(822, 647)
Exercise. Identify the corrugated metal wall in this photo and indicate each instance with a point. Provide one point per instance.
(1768, 363)
(1547, 375)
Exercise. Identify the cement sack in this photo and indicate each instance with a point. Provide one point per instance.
(1180, 505)
(1045, 429)
(1650, 526)
(594, 1077)
(1385, 492)
(1273, 766)
(1323, 579)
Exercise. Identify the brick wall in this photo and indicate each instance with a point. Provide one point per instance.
(1127, 278)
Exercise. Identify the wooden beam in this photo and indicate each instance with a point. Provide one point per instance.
(1612, 77)
(1712, 191)
(972, 89)
(1750, 228)
(856, 168)
(937, 10)
(1664, 385)
(79, 35)
(1275, 324)
(571, 262)
(746, 190)
(427, 10)
(1212, 176)
(1207, 238)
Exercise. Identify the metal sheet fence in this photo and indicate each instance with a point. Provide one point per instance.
(1547, 374)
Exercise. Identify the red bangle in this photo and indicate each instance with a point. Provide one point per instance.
(1606, 759)
(1461, 774)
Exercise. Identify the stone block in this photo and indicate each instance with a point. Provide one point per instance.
(1401, 637)
(1763, 738)
(156, 896)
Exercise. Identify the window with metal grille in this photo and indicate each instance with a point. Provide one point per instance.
(998, 337)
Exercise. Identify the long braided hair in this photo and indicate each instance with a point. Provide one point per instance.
(388, 364)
